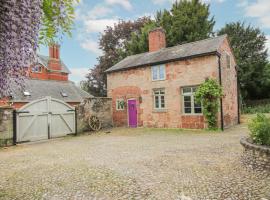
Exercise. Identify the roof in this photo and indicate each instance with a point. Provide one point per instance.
(45, 59)
(193, 49)
(42, 88)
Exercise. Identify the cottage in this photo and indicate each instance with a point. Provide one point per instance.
(48, 78)
(156, 89)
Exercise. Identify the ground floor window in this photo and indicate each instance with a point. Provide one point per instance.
(120, 104)
(190, 106)
(159, 98)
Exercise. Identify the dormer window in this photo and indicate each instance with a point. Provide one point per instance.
(158, 72)
(64, 94)
(26, 93)
(36, 69)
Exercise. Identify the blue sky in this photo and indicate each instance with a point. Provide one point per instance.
(92, 16)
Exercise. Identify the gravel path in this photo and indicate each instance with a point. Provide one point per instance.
(132, 164)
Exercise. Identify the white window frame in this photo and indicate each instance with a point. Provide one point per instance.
(158, 67)
(159, 96)
(228, 60)
(39, 66)
(117, 103)
(192, 100)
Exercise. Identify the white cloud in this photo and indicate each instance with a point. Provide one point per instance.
(98, 25)
(78, 74)
(124, 3)
(91, 45)
(268, 45)
(172, 1)
(259, 9)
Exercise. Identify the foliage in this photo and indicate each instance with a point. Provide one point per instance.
(57, 19)
(21, 21)
(209, 94)
(113, 43)
(256, 109)
(260, 130)
(248, 45)
(187, 21)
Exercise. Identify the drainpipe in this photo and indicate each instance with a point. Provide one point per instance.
(238, 96)
(220, 83)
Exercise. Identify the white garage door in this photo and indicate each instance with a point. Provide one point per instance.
(44, 119)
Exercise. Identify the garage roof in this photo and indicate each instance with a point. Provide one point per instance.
(35, 89)
(193, 49)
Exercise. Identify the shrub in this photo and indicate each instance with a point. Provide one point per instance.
(264, 108)
(260, 130)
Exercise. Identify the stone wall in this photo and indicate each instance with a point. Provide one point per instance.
(100, 107)
(6, 126)
(256, 157)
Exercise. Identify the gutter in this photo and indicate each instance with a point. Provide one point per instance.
(220, 83)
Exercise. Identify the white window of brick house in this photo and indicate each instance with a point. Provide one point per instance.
(159, 98)
(190, 106)
(120, 104)
(228, 60)
(158, 72)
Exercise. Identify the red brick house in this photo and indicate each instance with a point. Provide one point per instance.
(156, 89)
(49, 77)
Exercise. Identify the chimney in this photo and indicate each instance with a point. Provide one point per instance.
(54, 57)
(157, 39)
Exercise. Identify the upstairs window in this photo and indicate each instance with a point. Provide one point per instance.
(120, 104)
(26, 93)
(36, 69)
(228, 60)
(158, 72)
(159, 98)
(190, 106)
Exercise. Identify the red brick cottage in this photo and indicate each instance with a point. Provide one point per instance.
(156, 89)
(49, 77)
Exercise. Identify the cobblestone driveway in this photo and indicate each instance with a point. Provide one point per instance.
(132, 164)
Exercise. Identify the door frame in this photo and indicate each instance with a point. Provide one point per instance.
(136, 110)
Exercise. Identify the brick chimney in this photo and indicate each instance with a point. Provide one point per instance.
(157, 39)
(54, 54)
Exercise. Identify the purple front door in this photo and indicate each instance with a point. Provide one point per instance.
(132, 113)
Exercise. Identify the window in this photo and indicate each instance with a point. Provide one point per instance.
(26, 93)
(159, 99)
(189, 102)
(64, 94)
(228, 60)
(36, 69)
(158, 72)
(120, 104)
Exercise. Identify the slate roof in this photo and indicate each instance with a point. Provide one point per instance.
(42, 88)
(193, 49)
(45, 59)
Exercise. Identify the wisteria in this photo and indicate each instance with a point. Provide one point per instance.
(19, 27)
(23, 25)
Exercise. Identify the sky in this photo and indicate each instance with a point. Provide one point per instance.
(93, 16)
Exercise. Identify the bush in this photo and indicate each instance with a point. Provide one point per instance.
(264, 108)
(260, 130)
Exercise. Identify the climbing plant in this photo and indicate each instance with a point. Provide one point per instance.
(209, 94)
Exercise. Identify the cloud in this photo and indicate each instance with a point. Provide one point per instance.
(91, 46)
(268, 45)
(78, 74)
(98, 25)
(172, 1)
(124, 3)
(260, 9)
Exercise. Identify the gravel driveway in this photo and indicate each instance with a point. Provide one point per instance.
(132, 164)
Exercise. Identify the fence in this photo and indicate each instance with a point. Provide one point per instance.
(6, 126)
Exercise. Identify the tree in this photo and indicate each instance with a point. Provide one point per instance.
(21, 21)
(248, 44)
(187, 21)
(113, 43)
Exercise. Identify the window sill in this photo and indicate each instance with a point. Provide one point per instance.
(192, 114)
(160, 110)
(158, 80)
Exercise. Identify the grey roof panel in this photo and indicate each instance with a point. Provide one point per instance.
(45, 59)
(201, 47)
(42, 88)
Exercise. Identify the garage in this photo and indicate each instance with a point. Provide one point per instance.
(44, 118)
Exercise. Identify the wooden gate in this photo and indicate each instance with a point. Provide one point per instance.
(44, 119)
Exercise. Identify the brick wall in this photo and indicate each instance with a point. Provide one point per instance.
(46, 75)
(137, 83)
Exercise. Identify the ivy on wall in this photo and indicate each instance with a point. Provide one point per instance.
(209, 94)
